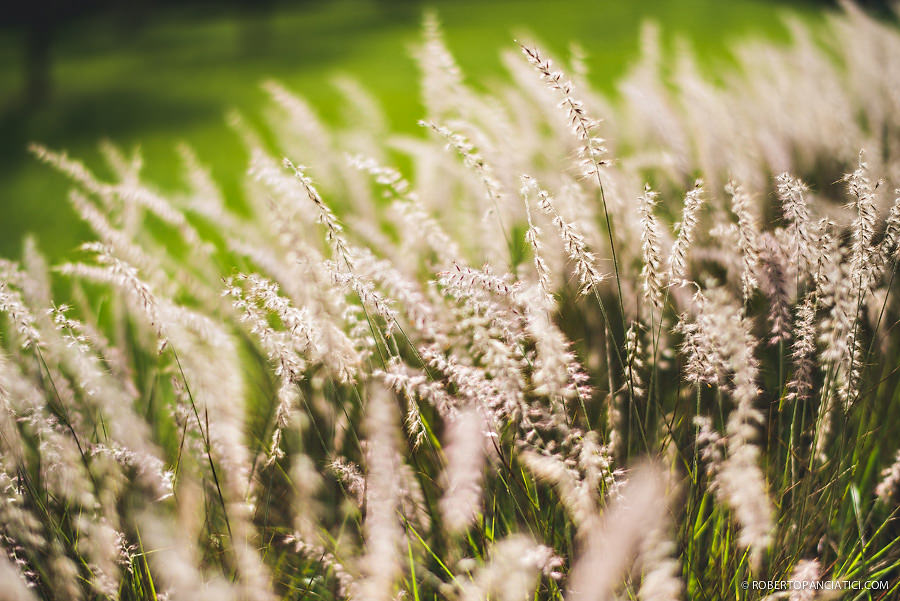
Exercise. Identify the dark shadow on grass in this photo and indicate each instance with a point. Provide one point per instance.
(108, 113)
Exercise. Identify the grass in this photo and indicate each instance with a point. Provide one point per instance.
(175, 78)
(264, 404)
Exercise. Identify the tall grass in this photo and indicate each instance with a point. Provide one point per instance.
(530, 363)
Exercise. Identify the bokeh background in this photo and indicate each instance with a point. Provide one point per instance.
(153, 73)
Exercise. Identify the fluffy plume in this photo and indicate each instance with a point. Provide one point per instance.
(747, 228)
(465, 449)
(573, 240)
(677, 261)
(381, 564)
(651, 251)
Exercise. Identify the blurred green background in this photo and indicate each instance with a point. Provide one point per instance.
(164, 73)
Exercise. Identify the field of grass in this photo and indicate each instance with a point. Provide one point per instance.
(606, 334)
(175, 78)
